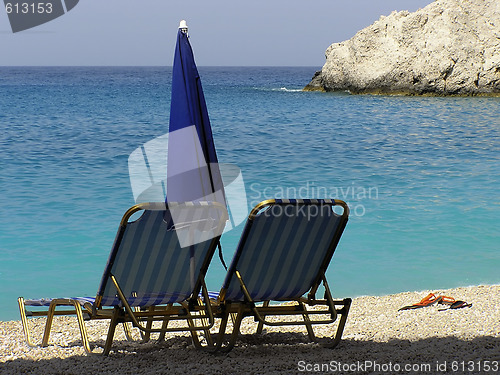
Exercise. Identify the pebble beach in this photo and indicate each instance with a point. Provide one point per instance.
(377, 339)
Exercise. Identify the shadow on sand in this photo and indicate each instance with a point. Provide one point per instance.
(280, 353)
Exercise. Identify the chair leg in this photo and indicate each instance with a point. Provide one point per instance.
(194, 334)
(234, 317)
(329, 298)
(218, 343)
(196, 339)
(260, 326)
(147, 335)
(81, 325)
(127, 331)
(161, 336)
(236, 331)
(24, 321)
(206, 331)
(48, 323)
(111, 331)
(307, 322)
(197, 343)
(208, 337)
(164, 325)
(340, 329)
(222, 332)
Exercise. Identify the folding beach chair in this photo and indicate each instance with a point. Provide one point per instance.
(149, 276)
(283, 254)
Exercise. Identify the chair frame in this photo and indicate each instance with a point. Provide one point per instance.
(237, 310)
(196, 314)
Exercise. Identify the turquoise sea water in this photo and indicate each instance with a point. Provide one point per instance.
(421, 174)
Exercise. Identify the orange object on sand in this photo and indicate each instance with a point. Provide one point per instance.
(431, 299)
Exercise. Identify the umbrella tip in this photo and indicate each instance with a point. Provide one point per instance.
(183, 26)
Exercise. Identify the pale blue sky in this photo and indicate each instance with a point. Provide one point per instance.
(223, 32)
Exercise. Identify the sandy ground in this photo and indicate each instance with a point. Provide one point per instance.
(377, 339)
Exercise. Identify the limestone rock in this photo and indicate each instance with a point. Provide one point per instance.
(450, 47)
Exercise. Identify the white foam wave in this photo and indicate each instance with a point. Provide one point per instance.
(287, 90)
(282, 89)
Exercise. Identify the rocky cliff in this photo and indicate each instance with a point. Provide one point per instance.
(450, 47)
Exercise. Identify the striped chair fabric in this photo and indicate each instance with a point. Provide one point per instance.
(148, 262)
(293, 237)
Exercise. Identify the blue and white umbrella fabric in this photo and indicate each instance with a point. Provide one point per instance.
(193, 173)
(182, 165)
(192, 167)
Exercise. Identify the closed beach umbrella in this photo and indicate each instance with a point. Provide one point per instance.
(192, 168)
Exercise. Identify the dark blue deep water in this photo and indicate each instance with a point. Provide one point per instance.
(421, 175)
